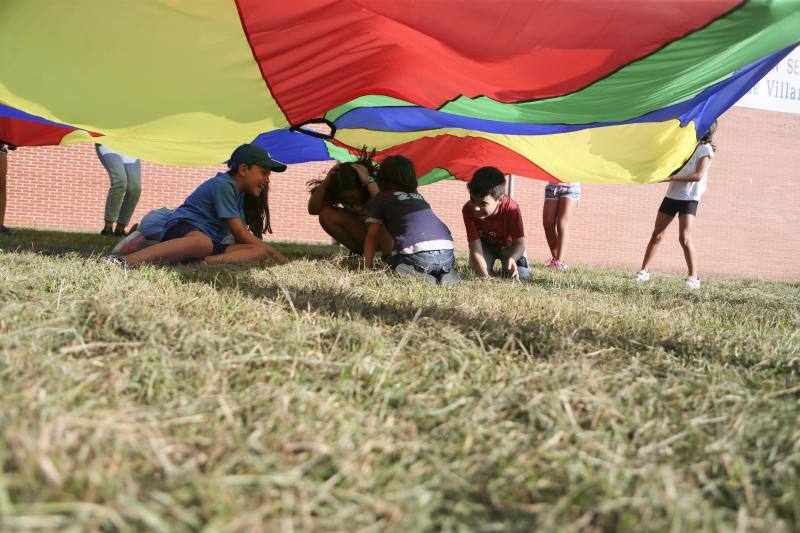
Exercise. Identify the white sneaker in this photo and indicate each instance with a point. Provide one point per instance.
(692, 282)
(642, 276)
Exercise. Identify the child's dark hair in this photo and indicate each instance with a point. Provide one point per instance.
(256, 212)
(345, 178)
(397, 173)
(487, 181)
(708, 138)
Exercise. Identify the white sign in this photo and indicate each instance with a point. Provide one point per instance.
(779, 90)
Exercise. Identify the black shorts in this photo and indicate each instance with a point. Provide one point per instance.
(182, 228)
(670, 207)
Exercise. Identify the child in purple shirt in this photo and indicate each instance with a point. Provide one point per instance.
(423, 245)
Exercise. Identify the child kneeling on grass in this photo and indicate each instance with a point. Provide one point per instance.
(423, 245)
(494, 227)
(198, 228)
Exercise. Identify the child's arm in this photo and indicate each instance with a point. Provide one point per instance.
(363, 175)
(514, 251)
(371, 244)
(476, 258)
(697, 175)
(317, 199)
(243, 236)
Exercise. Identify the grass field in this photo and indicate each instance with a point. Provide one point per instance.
(312, 397)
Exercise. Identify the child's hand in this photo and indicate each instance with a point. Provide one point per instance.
(511, 266)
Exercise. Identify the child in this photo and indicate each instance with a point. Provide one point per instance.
(199, 227)
(494, 227)
(125, 174)
(560, 200)
(682, 198)
(423, 245)
(340, 201)
(148, 231)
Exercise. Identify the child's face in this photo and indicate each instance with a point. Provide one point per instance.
(483, 206)
(353, 197)
(256, 178)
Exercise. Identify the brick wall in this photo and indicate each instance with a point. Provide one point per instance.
(747, 224)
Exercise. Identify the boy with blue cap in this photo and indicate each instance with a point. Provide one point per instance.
(197, 229)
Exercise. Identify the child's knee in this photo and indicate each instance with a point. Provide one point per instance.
(685, 239)
(134, 188)
(328, 215)
(119, 182)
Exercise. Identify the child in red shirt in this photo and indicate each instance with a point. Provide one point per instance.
(494, 227)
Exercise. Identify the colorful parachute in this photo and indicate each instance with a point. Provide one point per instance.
(568, 90)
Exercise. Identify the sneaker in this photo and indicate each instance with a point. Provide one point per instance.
(692, 282)
(129, 244)
(449, 278)
(551, 263)
(560, 265)
(107, 232)
(642, 276)
(119, 232)
(116, 261)
(4, 230)
(407, 271)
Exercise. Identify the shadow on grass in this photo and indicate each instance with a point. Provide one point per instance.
(540, 337)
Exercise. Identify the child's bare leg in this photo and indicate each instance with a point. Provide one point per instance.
(663, 220)
(345, 227)
(193, 245)
(241, 253)
(685, 223)
(565, 208)
(3, 172)
(549, 217)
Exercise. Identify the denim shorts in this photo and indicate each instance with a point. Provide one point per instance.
(554, 191)
(182, 228)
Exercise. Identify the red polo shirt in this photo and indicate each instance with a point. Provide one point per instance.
(499, 228)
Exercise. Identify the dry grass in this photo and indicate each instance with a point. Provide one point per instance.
(312, 397)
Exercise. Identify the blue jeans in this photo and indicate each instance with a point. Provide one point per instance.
(437, 265)
(491, 255)
(126, 186)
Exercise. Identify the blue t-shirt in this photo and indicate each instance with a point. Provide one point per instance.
(208, 207)
(410, 221)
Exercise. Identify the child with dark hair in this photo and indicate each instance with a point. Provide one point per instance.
(560, 200)
(340, 201)
(199, 228)
(423, 245)
(683, 196)
(494, 227)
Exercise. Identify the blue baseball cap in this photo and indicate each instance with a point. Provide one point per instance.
(250, 154)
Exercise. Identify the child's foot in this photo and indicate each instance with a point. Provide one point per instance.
(129, 244)
(556, 264)
(5, 230)
(119, 232)
(642, 276)
(107, 232)
(116, 261)
(407, 271)
(692, 282)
